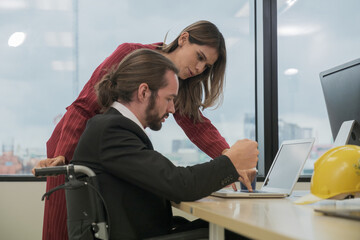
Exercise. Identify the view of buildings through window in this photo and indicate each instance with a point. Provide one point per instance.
(61, 42)
(313, 36)
(49, 50)
(36, 77)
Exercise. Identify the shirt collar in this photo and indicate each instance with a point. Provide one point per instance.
(127, 113)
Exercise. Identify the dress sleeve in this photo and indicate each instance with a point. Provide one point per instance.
(85, 106)
(203, 134)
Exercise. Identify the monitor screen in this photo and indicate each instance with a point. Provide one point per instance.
(341, 87)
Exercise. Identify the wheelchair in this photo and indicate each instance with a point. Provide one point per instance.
(87, 216)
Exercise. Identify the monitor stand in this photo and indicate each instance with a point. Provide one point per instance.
(349, 133)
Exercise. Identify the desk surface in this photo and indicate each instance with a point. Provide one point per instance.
(271, 219)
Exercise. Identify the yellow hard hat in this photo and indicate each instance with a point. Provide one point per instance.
(336, 175)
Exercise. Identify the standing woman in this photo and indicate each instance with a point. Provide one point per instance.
(200, 55)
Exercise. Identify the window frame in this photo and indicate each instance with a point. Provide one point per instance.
(20, 178)
(267, 86)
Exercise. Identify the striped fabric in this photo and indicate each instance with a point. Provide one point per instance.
(68, 131)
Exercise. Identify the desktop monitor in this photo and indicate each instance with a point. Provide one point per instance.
(341, 87)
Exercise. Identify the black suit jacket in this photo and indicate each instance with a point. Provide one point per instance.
(138, 182)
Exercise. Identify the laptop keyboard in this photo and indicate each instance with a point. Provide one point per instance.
(254, 191)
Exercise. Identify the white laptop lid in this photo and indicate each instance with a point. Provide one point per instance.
(287, 166)
(283, 174)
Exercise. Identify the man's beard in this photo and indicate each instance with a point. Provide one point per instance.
(152, 116)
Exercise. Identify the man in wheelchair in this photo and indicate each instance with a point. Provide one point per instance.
(136, 182)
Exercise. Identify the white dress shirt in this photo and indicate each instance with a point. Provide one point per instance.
(127, 113)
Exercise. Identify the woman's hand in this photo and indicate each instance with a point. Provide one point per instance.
(50, 162)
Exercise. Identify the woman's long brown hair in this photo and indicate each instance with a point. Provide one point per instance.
(206, 89)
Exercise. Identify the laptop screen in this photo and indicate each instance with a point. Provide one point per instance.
(287, 165)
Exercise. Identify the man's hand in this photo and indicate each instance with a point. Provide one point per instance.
(247, 177)
(50, 162)
(244, 155)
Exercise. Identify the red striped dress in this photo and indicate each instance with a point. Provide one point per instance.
(68, 131)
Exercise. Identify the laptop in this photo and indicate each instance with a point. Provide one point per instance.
(283, 174)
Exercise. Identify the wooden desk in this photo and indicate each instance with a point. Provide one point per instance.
(269, 219)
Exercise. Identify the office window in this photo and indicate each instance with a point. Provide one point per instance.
(313, 36)
(50, 49)
(36, 77)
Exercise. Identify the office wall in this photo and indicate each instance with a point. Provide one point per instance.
(21, 209)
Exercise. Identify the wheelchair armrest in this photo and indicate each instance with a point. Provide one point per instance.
(50, 171)
(60, 170)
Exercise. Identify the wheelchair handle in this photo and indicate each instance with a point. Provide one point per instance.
(60, 170)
